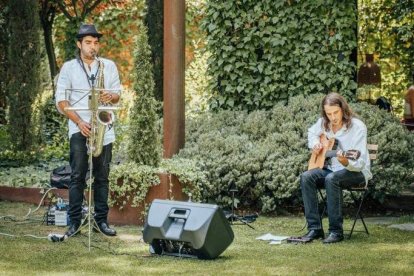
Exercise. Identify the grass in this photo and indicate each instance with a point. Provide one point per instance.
(385, 252)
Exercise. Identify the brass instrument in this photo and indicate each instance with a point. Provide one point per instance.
(99, 119)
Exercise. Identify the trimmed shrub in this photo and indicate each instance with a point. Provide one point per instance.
(143, 133)
(264, 152)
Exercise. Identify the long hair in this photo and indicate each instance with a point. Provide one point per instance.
(334, 99)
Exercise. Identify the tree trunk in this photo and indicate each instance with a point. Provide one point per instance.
(47, 17)
(50, 50)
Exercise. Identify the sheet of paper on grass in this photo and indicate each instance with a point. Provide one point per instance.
(274, 239)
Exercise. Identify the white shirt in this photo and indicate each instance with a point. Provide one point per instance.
(353, 138)
(72, 76)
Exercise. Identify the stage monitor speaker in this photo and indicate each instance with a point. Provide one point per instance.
(187, 229)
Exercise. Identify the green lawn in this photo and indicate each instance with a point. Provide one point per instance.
(384, 252)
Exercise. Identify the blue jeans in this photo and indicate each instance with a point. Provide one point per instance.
(333, 182)
(79, 164)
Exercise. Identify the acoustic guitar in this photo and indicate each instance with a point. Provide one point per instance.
(329, 150)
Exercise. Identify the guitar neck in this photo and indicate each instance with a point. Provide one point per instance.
(331, 153)
(350, 154)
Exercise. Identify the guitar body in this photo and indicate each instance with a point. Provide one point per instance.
(318, 160)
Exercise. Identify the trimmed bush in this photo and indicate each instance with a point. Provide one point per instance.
(264, 152)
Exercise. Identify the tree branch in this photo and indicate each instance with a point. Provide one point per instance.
(92, 7)
(63, 9)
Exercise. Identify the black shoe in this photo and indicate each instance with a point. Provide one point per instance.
(72, 230)
(333, 237)
(104, 229)
(314, 234)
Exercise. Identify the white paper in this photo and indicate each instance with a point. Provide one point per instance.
(271, 237)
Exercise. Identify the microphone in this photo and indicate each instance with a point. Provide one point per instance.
(93, 78)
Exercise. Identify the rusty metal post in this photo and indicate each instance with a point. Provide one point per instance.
(174, 66)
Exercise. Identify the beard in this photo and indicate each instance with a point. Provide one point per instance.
(89, 54)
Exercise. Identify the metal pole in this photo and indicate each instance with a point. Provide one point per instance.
(174, 66)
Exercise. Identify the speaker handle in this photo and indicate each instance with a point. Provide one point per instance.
(179, 213)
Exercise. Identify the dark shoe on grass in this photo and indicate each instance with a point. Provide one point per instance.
(314, 234)
(104, 229)
(73, 230)
(333, 238)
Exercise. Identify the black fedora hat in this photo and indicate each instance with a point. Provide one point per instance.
(88, 29)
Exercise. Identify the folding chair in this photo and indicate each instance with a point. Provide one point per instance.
(361, 188)
(373, 151)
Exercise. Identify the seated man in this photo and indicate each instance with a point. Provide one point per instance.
(339, 122)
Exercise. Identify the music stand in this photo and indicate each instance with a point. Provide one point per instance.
(95, 108)
(233, 218)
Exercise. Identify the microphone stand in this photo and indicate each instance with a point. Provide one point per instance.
(233, 217)
(93, 106)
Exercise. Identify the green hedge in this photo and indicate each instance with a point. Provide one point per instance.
(264, 152)
(266, 51)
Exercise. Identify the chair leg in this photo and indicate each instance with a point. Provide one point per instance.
(358, 213)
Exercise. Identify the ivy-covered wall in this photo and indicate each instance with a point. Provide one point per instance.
(265, 51)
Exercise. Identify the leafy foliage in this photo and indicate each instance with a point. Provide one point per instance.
(393, 169)
(196, 83)
(266, 51)
(75, 13)
(386, 29)
(118, 23)
(144, 139)
(29, 176)
(4, 40)
(50, 126)
(23, 73)
(264, 152)
(129, 183)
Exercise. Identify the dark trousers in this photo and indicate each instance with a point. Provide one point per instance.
(333, 182)
(79, 164)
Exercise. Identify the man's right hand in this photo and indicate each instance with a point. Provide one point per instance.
(85, 128)
(317, 148)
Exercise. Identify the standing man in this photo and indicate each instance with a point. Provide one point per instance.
(339, 122)
(82, 73)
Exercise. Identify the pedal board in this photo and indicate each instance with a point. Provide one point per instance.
(298, 240)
